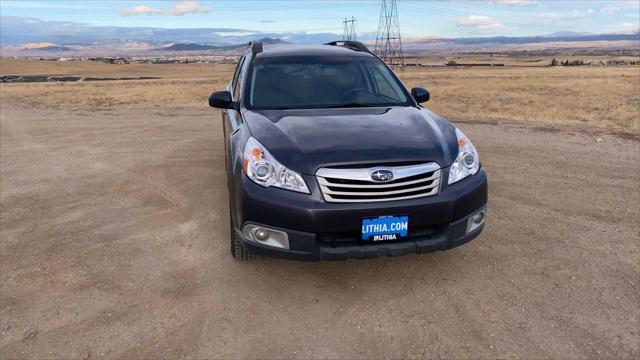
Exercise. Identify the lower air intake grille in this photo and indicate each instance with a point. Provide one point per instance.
(357, 185)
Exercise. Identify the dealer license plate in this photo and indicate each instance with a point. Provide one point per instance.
(385, 228)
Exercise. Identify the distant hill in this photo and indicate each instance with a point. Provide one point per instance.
(565, 36)
(54, 48)
(189, 47)
(44, 47)
(202, 47)
(272, 41)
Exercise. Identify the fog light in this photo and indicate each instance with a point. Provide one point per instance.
(476, 220)
(262, 234)
(266, 236)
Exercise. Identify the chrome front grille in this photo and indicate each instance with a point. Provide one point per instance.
(356, 185)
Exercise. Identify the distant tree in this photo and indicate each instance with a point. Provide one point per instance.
(554, 62)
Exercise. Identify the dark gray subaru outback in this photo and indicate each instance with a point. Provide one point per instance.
(329, 157)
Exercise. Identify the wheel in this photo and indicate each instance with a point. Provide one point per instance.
(238, 251)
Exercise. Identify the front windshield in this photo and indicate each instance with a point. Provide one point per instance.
(322, 82)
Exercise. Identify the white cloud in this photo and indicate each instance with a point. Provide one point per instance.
(629, 28)
(189, 7)
(141, 10)
(610, 9)
(478, 22)
(516, 2)
(632, 4)
(567, 15)
(181, 8)
(621, 6)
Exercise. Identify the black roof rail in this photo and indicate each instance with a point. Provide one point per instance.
(256, 47)
(353, 45)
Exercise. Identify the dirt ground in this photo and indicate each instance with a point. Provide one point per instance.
(114, 244)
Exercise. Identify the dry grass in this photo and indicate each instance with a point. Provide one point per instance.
(183, 85)
(90, 68)
(509, 59)
(109, 94)
(606, 97)
(603, 97)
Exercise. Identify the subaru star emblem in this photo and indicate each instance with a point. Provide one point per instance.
(382, 175)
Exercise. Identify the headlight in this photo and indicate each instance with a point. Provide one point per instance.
(261, 167)
(467, 163)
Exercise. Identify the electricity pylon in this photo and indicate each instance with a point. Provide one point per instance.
(349, 29)
(388, 41)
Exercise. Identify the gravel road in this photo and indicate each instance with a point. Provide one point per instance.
(113, 244)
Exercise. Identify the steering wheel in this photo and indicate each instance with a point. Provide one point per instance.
(352, 93)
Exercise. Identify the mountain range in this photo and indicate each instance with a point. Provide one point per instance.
(189, 46)
(21, 36)
(15, 30)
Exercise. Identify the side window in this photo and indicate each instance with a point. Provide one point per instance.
(234, 82)
(241, 74)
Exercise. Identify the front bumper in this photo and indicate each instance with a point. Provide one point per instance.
(319, 230)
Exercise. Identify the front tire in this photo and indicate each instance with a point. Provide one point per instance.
(238, 251)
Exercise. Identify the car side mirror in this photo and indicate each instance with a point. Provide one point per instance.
(420, 94)
(222, 100)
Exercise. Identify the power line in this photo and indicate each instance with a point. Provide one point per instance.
(349, 29)
(388, 41)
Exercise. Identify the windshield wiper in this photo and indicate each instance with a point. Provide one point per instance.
(350, 105)
(338, 106)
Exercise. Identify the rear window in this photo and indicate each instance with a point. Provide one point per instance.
(322, 82)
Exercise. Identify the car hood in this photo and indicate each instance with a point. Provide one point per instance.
(306, 140)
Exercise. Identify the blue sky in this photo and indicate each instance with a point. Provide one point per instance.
(452, 18)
